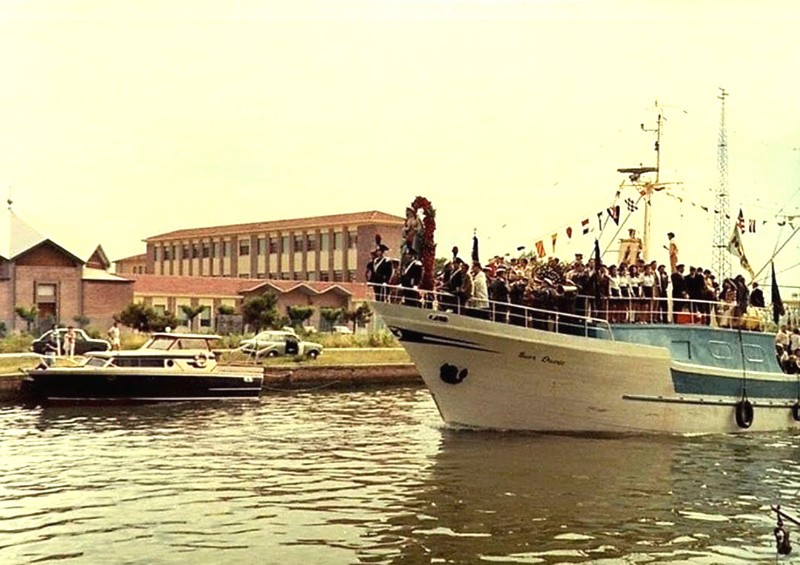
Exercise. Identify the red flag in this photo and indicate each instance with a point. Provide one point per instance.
(569, 233)
(540, 248)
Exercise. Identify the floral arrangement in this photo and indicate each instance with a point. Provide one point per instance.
(428, 245)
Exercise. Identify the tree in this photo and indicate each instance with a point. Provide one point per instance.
(361, 315)
(261, 311)
(298, 315)
(145, 319)
(226, 310)
(330, 316)
(135, 316)
(27, 314)
(191, 312)
(81, 321)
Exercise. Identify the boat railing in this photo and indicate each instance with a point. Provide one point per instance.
(681, 311)
(548, 319)
(585, 315)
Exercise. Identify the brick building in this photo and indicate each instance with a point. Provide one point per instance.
(324, 248)
(60, 284)
(166, 293)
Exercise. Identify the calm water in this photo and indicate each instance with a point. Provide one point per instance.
(373, 477)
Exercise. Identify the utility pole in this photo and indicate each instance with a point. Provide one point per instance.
(720, 258)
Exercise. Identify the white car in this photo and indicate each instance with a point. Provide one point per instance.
(342, 330)
(271, 343)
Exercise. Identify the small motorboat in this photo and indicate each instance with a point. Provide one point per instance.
(168, 367)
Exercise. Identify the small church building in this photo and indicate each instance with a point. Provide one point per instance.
(64, 285)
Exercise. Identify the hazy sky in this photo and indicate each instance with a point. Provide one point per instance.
(122, 120)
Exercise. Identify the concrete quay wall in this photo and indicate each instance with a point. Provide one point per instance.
(283, 378)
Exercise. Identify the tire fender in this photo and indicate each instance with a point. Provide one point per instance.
(744, 413)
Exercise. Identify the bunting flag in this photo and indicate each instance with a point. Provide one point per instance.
(777, 304)
(752, 227)
(554, 237)
(569, 232)
(540, 248)
(600, 221)
(585, 226)
(740, 221)
(613, 213)
(735, 247)
(632, 207)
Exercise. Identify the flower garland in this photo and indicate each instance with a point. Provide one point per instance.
(428, 245)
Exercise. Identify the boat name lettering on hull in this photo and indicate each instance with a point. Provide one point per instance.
(543, 359)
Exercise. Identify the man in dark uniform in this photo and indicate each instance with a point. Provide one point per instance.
(382, 272)
(410, 278)
(448, 299)
(498, 293)
(450, 267)
(679, 293)
(369, 273)
(662, 282)
(756, 297)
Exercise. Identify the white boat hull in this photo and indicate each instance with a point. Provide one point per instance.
(498, 376)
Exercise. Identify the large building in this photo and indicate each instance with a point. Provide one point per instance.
(166, 294)
(62, 283)
(324, 248)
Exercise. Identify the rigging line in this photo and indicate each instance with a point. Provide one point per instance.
(622, 225)
(778, 238)
(789, 268)
(794, 233)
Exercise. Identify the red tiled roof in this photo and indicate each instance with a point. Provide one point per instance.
(373, 217)
(165, 285)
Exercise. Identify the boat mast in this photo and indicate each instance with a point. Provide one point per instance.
(646, 188)
(648, 193)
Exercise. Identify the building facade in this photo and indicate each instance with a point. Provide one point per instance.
(324, 248)
(166, 294)
(62, 286)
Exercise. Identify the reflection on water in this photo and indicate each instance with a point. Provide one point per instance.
(373, 477)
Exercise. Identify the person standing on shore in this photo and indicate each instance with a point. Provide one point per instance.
(113, 336)
(69, 342)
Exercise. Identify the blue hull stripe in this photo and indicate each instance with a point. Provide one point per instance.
(717, 385)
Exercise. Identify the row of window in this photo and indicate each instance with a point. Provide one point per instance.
(324, 276)
(266, 246)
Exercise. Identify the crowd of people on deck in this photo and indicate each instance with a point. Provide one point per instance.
(787, 349)
(521, 290)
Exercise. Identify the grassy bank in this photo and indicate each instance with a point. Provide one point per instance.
(329, 357)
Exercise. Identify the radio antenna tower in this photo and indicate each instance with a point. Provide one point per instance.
(720, 258)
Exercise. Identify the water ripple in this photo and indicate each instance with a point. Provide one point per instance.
(373, 477)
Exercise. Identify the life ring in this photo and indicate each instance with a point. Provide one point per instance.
(199, 361)
(744, 413)
(796, 411)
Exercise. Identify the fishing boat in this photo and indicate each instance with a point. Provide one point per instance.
(553, 371)
(168, 367)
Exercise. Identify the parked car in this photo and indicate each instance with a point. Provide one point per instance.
(272, 343)
(342, 330)
(83, 343)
